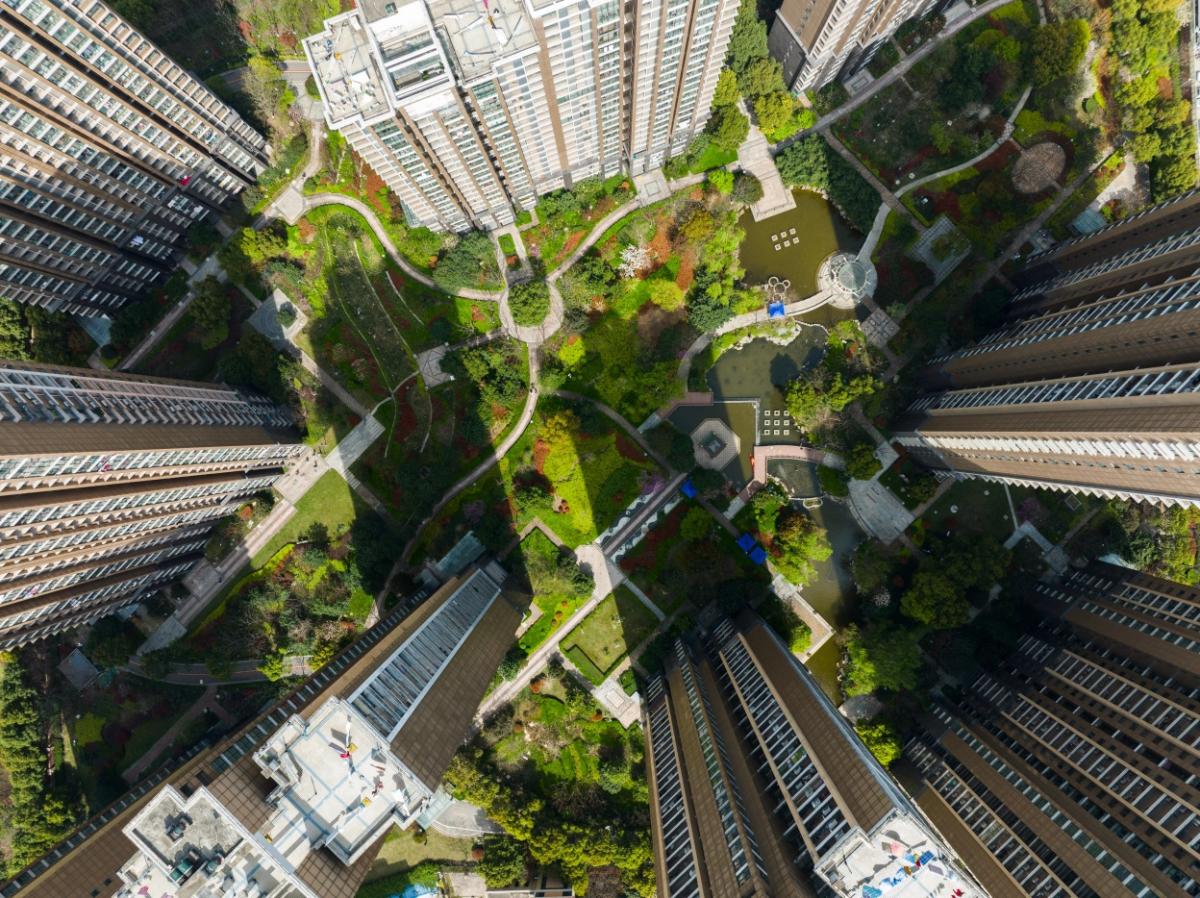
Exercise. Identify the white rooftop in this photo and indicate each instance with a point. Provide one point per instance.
(339, 784)
(479, 33)
(344, 66)
(193, 848)
(901, 859)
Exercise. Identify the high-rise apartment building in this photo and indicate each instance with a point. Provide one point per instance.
(818, 40)
(297, 804)
(1092, 384)
(469, 111)
(1073, 769)
(110, 483)
(109, 151)
(759, 787)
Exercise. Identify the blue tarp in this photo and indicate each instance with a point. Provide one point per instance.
(758, 554)
(775, 310)
(746, 542)
(688, 488)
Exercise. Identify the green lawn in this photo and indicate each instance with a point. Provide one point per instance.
(712, 157)
(330, 502)
(401, 852)
(615, 627)
(556, 599)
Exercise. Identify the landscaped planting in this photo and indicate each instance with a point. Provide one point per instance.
(686, 557)
(571, 468)
(441, 434)
(565, 217)
(564, 780)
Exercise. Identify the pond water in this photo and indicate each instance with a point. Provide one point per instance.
(804, 236)
(761, 368)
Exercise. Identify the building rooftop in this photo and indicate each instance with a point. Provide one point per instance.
(193, 848)
(339, 785)
(478, 34)
(897, 860)
(344, 65)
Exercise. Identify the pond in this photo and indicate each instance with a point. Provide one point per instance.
(803, 237)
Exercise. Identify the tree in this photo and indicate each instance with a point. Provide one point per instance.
(833, 481)
(728, 128)
(726, 92)
(697, 525)
(761, 78)
(774, 111)
(800, 543)
(884, 656)
(747, 189)
(861, 463)
(665, 294)
(469, 263)
(503, 862)
(936, 600)
(210, 311)
(748, 40)
(529, 302)
(112, 641)
(1057, 50)
(881, 740)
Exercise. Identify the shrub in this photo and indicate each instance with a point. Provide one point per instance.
(833, 481)
(747, 189)
(529, 302)
(861, 463)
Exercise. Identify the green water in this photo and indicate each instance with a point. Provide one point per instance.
(814, 230)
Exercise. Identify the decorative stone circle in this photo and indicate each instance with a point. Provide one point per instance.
(847, 279)
(714, 444)
(1039, 167)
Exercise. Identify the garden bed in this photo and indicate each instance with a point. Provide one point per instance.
(566, 217)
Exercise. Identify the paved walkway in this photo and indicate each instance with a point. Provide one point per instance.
(429, 362)
(754, 155)
(878, 511)
(491, 460)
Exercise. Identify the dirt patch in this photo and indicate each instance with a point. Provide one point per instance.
(1165, 89)
(307, 230)
(660, 243)
(653, 321)
(406, 415)
(687, 271)
(1004, 154)
(541, 449)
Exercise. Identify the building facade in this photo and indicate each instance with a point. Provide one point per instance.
(817, 41)
(469, 111)
(298, 803)
(1092, 383)
(1073, 769)
(110, 484)
(758, 786)
(109, 152)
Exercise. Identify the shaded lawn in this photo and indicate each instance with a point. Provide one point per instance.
(592, 481)
(331, 502)
(371, 318)
(980, 509)
(673, 571)
(179, 353)
(632, 354)
(614, 628)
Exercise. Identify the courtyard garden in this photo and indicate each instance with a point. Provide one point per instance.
(572, 468)
(795, 543)
(641, 295)
(565, 781)
(605, 637)
(212, 325)
(687, 558)
(566, 217)
(441, 433)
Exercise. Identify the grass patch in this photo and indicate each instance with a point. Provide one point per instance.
(616, 626)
